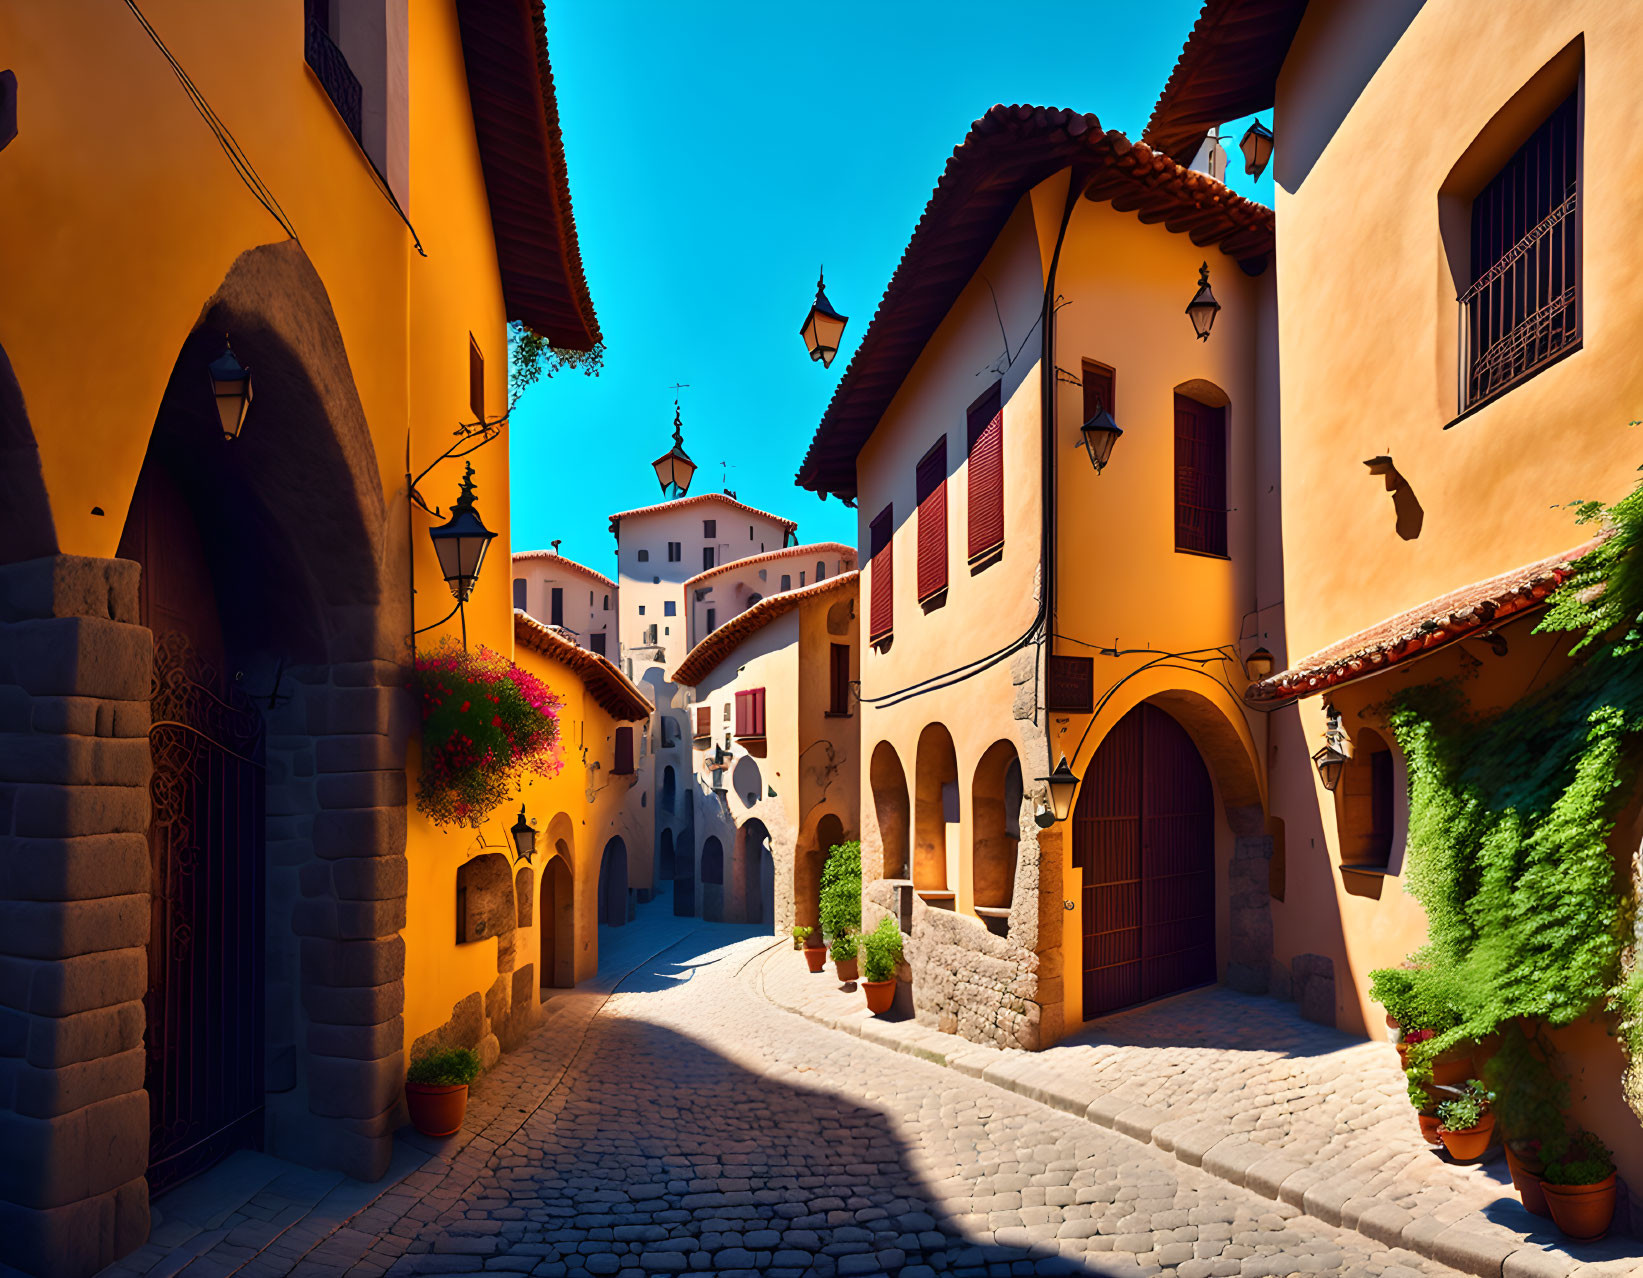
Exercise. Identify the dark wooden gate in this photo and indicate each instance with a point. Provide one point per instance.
(1144, 838)
(204, 1004)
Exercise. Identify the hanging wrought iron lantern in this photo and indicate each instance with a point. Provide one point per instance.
(823, 328)
(1256, 144)
(1203, 308)
(674, 468)
(1062, 785)
(461, 542)
(231, 385)
(1331, 758)
(523, 835)
(1260, 663)
(1100, 434)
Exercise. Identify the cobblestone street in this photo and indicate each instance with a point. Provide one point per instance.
(685, 1124)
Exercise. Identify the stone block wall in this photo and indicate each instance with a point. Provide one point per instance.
(75, 668)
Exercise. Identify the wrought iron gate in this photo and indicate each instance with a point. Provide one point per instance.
(205, 949)
(1144, 837)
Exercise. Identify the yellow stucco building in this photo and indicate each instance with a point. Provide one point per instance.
(208, 608)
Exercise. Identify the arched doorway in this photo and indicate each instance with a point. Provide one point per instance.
(713, 880)
(758, 874)
(613, 884)
(1144, 837)
(558, 921)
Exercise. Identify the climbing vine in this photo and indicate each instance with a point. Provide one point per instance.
(1509, 824)
(532, 357)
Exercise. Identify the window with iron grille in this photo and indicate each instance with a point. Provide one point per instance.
(328, 64)
(1522, 309)
(881, 611)
(750, 713)
(1200, 477)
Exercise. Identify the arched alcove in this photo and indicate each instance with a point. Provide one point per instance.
(713, 880)
(807, 870)
(558, 920)
(484, 898)
(995, 815)
(613, 884)
(890, 809)
(936, 815)
(669, 789)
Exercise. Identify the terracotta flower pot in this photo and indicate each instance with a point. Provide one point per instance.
(1468, 1144)
(1526, 1180)
(437, 1109)
(880, 994)
(1582, 1211)
(847, 970)
(1429, 1128)
(1452, 1071)
(815, 957)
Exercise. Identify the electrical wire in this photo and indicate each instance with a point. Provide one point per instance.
(225, 138)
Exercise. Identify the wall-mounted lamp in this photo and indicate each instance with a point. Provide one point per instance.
(461, 541)
(523, 835)
(1100, 434)
(823, 328)
(1259, 663)
(231, 385)
(1330, 760)
(674, 468)
(1062, 784)
(1203, 308)
(1256, 144)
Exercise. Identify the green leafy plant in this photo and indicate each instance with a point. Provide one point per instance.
(532, 357)
(1578, 1159)
(1510, 816)
(1464, 1112)
(881, 950)
(452, 1067)
(1416, 1000)
(844, 947)
(1420, 1098)
(841, 890)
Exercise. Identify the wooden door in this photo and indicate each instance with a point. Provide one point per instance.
(1144, 839)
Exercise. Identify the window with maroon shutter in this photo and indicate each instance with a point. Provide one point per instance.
(932, 521)
(839, 678)
(1200, 477)
(750, 713)
(704, 722)
(986, 485)
(881, 613)
(1098, 389)
(624, 753)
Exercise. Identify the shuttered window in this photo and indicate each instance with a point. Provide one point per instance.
(881, 613)
(1200, 477)
(986, 479)
(750, 713)
(932, 521)
(704, 722)
(623, 766)
(839, 678)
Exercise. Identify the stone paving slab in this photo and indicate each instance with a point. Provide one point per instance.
(1243, 1088)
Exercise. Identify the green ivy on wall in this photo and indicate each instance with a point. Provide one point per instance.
(1509, 824)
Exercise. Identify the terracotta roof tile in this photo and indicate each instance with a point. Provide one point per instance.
(701, 498)
(1006, 153)
(608, 686)
(791, 552)
(522, 155)
(701, 659)
(1421, 630)
(1228, 69)
(559, 561)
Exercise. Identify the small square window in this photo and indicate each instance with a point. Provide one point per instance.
(641, 610)
(644, 556)
(668, 608)
(710, 527)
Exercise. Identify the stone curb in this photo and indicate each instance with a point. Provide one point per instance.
(1469, 1242)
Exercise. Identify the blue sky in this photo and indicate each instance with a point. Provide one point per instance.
(718, 153)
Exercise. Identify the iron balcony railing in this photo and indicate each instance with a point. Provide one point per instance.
(334, 73)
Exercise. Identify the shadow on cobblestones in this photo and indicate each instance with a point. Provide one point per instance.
(1216, 1017)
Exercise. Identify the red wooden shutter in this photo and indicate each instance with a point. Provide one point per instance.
(741, 714)
(1200, 477)
(881, 615)
(840, 678)
(932, 521)
(756, 700)
(986, 485)
(704, 721)
(750, 713)
(624, 752)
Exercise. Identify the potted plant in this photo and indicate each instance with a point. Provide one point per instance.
(1425, 1112)
(844, 957)
(1528, 1168)
(1579, 1186)
(799, 935)
(1467, 1124)
(436, 1090)
(881, 954)
(815, 950)
(1533, 1096)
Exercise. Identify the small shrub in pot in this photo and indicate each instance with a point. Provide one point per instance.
(844, 951)
(1579, 1186)
(881, 955)
(1466, 1123)
(436, 1089)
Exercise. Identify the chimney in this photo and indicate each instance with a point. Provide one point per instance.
(1212, 156)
